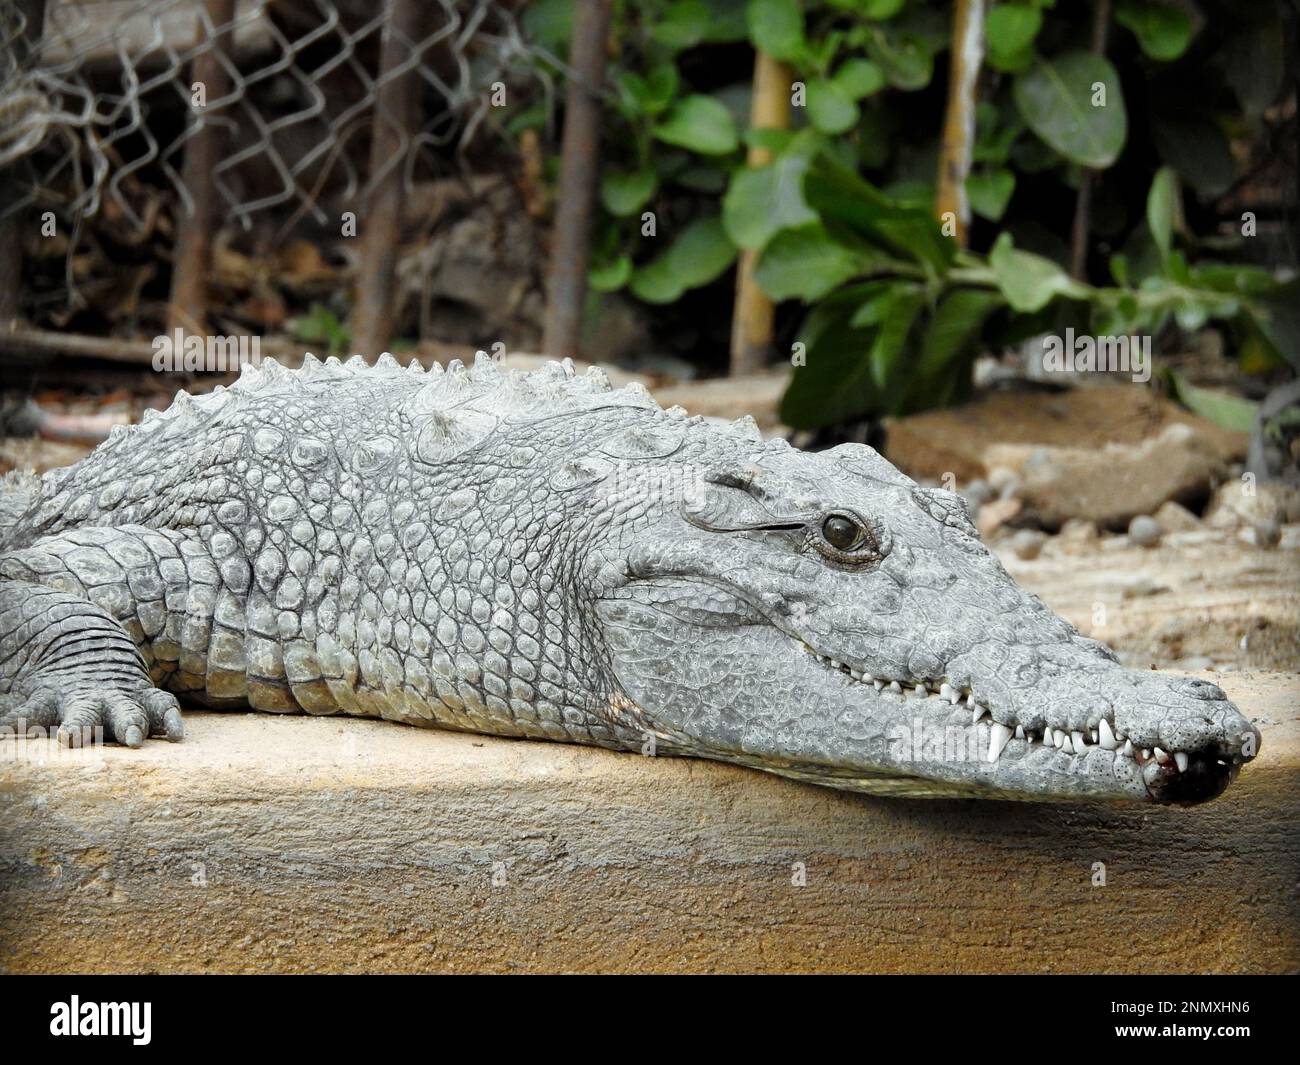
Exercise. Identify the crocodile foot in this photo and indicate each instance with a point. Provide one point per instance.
(84, 714)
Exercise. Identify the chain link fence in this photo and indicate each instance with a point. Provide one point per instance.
(97, 103)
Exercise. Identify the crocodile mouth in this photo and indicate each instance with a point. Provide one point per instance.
(1180, 777)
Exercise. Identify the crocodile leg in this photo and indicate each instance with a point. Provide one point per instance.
(93, 622)
(68, 662)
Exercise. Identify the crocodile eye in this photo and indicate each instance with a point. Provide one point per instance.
(841, 532)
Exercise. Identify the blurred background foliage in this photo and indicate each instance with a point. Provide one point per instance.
(1182, 229)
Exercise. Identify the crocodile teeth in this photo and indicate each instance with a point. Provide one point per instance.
(1181, 760)
(1079, 742)
(1020, 732)
(978, 712)
(999, 736)
(1128, 748)
(1105, 737)
(878, 684)
(895, 687)
(1150, 771)
(1058, 738)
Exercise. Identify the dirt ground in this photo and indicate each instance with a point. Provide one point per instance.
(1205, 599)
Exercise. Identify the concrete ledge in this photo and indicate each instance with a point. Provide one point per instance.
(281, 844)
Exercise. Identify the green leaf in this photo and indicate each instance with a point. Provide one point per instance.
(843, 198)
(1010, 30)
(806, 263)
(834, 383)
(990, 191)
(942, 372)
(1028, 281)
(906, 61)
(549, 23)
(625, 194)
(1161, 205)
(1228, 411)
(1163, 31)
(727, 23)
(701, 252)
(1056, 99)
(830, 109)
(703, 177)
(611, 276)
(1254, 60)
(767, 199)
(774, 140)
(1277, 316)
(1197, 149)
(682, 25)
(859, 78)
(877, 10)
(776, 27)
(649, 95)
(701, 124)
(897, 317)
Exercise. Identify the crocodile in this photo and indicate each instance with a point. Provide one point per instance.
(538, 555)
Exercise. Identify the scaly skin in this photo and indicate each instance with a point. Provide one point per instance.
(535, 555)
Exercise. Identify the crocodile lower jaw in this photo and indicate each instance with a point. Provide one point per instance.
(941, 694)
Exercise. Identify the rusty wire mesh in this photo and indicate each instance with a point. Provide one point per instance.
(99, 113)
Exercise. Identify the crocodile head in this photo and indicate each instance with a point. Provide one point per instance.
(824, 617)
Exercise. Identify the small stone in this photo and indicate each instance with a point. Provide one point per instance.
(1174, 517)
(1027, 543)
(1268, 533)
(1003, 481)
(1079, 531)
(1144, 531)
(977, 493)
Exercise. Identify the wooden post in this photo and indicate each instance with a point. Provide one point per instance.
(1083, 198)
(32, 13)
(579, 163)
(192, 254)
(751, 320)
(958, 145)
(395, 121)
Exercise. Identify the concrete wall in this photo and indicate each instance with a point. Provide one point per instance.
(273, 844)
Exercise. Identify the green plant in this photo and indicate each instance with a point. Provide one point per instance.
(321, 326)
(897, 313)
(841, 217)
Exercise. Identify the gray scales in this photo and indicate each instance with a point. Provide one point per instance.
(535, 555)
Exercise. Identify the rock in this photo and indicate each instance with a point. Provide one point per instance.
(1144, 531)
(1241, 503)
(1174, 517)
(977, 493)
(1268, 533)
(1078, 531)
(1003, 481)
(1028, 543)
(1081, 420)
(1111, 484)
(996, 514)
